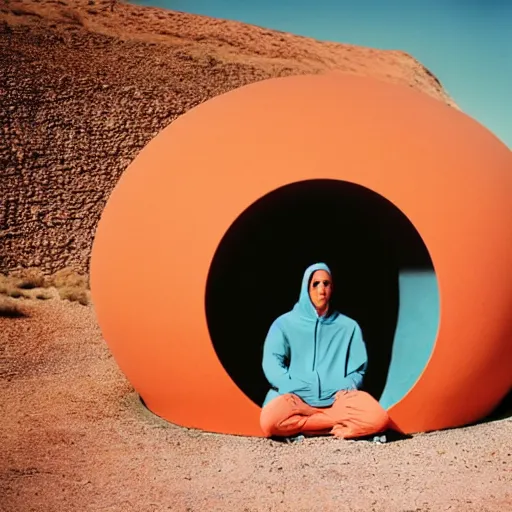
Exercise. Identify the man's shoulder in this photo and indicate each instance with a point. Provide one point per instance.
(283, 318)
(283, 321)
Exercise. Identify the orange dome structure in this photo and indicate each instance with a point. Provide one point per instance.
(204, 240)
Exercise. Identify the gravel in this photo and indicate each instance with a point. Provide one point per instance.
(75, 436)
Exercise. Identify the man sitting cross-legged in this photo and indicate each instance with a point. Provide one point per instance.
(315, 359)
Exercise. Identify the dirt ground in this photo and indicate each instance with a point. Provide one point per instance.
(75, 437)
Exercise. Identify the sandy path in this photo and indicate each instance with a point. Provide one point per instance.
(75, 437)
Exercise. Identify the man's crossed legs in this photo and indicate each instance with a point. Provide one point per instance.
(353, 414)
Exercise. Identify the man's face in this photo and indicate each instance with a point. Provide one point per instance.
(320, 290)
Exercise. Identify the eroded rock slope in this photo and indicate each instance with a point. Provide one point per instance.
(84, 88)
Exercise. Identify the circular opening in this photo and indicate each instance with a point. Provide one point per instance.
(382, 273)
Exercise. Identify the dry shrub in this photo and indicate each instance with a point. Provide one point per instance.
(9, 309)
(29, 283)
(3, 284)
(79, 295)
(8, 287)
(69, 278)
(16, 293)
(29, 278)
(71, 285)
(43, 295)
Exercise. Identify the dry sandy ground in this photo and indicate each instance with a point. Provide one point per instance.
(75, 437)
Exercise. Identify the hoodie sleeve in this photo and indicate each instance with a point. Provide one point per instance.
(276, 354)
(357, 361)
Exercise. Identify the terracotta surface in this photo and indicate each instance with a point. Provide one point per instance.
(84, 89)
(165, 219)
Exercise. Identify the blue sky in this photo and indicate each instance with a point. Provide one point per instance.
(467, 44)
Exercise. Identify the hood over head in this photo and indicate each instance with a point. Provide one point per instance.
(304, 306)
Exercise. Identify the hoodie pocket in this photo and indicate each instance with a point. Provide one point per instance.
(295, 385)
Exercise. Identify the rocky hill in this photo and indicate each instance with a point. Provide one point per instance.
(85, 84)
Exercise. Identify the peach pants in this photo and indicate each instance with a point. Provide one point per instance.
(353, 414)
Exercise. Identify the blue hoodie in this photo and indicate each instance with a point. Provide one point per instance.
(313, 356)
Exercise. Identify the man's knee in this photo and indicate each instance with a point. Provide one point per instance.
(376, 414)
(274, 413)
(365, 403)
(267, 424)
